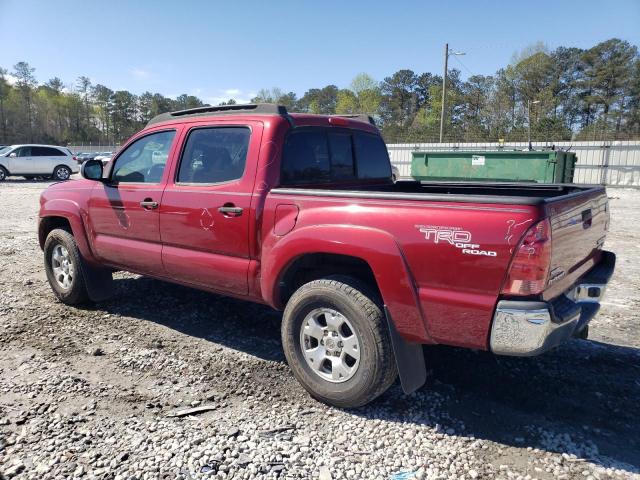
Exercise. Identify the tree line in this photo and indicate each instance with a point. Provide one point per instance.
(566, 93)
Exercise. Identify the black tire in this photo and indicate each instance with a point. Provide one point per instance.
(61, 173)
(76, 293)
(3, 174)
(376, 370)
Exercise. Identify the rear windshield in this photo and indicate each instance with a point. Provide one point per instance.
(330, 155)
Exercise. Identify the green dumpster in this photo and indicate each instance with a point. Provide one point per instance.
(546, 166)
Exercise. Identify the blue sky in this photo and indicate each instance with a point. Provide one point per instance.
(223, 49)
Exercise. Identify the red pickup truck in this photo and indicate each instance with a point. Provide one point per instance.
(299, 212)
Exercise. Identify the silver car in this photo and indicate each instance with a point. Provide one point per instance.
(31, 161)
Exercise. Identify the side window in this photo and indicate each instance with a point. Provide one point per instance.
(24, 152)
(341, 156)
(214, 155)
(306, 158)
(45, 152)
(54, 152)
(144, 160)
(371, 156)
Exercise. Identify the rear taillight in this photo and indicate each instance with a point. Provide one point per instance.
(530, 266)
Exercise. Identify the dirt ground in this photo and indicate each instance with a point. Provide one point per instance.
(89, 392)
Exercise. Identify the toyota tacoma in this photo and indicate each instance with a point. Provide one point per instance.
(299, 212)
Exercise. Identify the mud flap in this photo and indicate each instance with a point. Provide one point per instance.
(99, 282)
(409, 359)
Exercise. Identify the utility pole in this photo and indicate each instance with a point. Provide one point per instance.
(444, 89)
(529, 102)
(444, 86)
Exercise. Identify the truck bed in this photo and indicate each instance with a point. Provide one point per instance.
(464, 192)
(459, 291)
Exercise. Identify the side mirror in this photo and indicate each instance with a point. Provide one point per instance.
(92, 170)
(12, 155)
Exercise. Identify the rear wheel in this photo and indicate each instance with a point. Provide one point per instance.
(336, 342)
(61, 172)
(63, 265)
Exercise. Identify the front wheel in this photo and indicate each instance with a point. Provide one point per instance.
(61, 172)
(336, 342)
(64, 268)
(3, 174)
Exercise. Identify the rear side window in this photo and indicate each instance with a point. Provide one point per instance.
(321, 155)
(214, 155)
(46, 152)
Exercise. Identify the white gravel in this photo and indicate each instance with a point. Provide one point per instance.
(90, 393)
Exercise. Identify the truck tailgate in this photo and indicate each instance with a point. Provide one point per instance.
(579, 223)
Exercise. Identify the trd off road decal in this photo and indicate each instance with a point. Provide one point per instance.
(455, 236)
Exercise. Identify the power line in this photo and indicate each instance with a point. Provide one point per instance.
(463, 65)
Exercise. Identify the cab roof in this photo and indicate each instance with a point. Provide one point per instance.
(361, 121)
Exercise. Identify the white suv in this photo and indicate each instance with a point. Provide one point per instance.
(37, 161)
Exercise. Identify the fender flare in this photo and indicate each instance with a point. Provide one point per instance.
(98, 280)
(76, 217)
(376, 247)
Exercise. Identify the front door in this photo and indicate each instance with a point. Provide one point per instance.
(124, 211)
(23, 162)
(205, 215)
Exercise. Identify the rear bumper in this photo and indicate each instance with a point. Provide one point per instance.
(528, 328)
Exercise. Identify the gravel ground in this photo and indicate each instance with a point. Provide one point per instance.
(97, 392)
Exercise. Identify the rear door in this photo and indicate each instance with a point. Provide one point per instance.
(59, 156)
(45, 159)
(124, 210)
(206, 209)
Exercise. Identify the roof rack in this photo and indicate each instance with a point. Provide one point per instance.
(363, 117)
(255, 108)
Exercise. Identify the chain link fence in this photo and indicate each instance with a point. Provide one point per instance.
(92, 148)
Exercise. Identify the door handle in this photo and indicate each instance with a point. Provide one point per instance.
(230, 210)
(149, 204)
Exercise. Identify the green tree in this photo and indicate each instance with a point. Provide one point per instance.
(26, 82)
(400, 101)
(184, 102)
(4, 93)
(609, 76)
(319, 100)
(347, 102)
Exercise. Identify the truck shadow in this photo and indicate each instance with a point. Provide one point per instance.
(581, 398)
